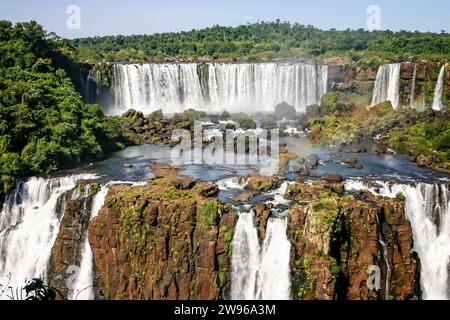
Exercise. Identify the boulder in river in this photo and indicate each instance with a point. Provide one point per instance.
(332, 177)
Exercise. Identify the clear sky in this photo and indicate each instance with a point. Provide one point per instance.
(102, 17)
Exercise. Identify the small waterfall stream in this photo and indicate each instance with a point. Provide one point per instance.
(83, 289)
(387, 85)
(386, 260)
(260, 271)
(427, 208)
(437, 102)
(412, 96)
(245, 260)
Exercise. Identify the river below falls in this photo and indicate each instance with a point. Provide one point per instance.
(249, 281)
(396, 168)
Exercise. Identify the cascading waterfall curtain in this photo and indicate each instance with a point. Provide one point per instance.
(252, 87)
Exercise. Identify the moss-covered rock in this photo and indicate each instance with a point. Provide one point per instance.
(335, 238)
(164, 240)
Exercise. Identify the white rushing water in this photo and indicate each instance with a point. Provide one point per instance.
(260, 271)
(386, 260)
(249, 87)
(427, 208)
(274, 275)
(387, 85)
(437, 102)
(29, 224)
(83, 286)
(412, 96)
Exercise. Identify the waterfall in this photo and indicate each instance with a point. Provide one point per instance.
(260, 271)
(274, 274)
(412, 97)
(232, 183)
(382, 242)
(427, 207)
(83, 287)
(387, 85)
(211, 87)
(29, 224)
(437, 102)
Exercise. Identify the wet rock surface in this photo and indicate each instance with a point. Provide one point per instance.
(170, 239)
(335, 238)
(67, 251)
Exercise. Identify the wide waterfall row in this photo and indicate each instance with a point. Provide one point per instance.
(428, 210)
(387, 85)
(249, 87)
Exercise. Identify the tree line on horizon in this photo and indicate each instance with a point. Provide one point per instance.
(266, 40)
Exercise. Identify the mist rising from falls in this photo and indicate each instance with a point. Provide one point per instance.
(387, 85)
(437, 102)
(427, 208)
(249, 87)
(29, 224)
(260, 271)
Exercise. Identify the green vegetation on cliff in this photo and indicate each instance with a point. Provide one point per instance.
(425, 135)
(335, 236)
(170, 239)
(427, 142)
(44, 123)
(267, 40)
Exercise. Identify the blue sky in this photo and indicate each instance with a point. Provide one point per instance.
(102, 17)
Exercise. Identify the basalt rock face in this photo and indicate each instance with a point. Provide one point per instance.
(262, 213)
(347, 78)
(257, 182)
(160, 242)
(336, 238)
(67, 251)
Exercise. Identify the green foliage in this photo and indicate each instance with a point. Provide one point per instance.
(268, 40)
(347, 126)
(425, 138)
(37, 290)
(103, 73)
(156, 115)
(207, 212)
(44, 123)
(225, 115)
(330, 99)
(284, 110)
(326, 211)
(400, 196)
(189, 115)
(243, 120)
(334, 267)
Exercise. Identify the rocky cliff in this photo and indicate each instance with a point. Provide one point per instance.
(336, 238)
(169, 239)
(359, 81)
(67, 251)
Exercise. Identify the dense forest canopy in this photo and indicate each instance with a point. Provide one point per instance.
(44, 123)
(266, 40)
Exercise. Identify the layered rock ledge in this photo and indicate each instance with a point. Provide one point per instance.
(335, 239)
(169, 239)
